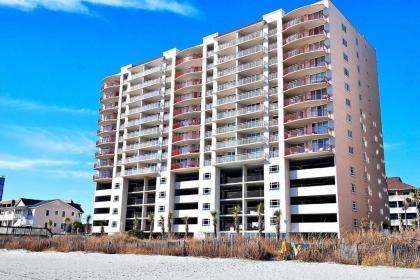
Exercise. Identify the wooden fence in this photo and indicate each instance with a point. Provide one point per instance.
(25, 231)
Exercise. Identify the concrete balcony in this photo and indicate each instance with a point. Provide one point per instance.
(304, 37)
(315, 227)
(307, 83)
(304, 22)
(306, 117)
(102, 178)
(109, 97)
(306, 134)
(186, 99)
(140, 172)
(186, 61)
(306, 100)
(108, 141)
(306, 52)
(324, 208)
(306, 68)
(240, 158)
(146, 72)
(186, 165)
(313, 190)
(104, 164)
(151, 95)
(186, 125)
(188, 72)
(308, 150)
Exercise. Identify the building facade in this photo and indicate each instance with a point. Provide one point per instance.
(403, 208)
(25, 212)
(2, 180)
(284, 111)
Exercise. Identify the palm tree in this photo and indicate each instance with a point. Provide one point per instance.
(50, 224)
(151, 219)
(170, 221)
(66, 220)
(76, 225)
(236, 211)
(214, 218)
(162, 225)
(88, 218)
(185, 220)
(277, 221)
(406, 203)
(415, 196)
(260, 212)
(136, 222)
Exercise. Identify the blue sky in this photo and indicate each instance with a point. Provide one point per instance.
(54, 55)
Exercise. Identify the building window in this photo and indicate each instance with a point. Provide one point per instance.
(345, 57)
(346, 72)
(274, 169)
(116, 198)
(206, 206)
(357, 42)
(274, 186)
(114, 224)
(344, 42)
(358, 69)
(161, 208)
(274, 203)
(72, 214)
(56, 213)
(346, 86)
(344, 28)
(205, 222)
(352, 171)
(348, 102)
(206, 176)
(355, 223)
(63, 214)
(62, 226)
(115, 211)
(117, 186)
(47, 213)
(162, 194)
(351, 150)
(353, 188)
(206, 191)
(163, 180)
(354, 206)
(45, 225)
(348, 118)
(349, 133)
(55, 224)
(357, 55)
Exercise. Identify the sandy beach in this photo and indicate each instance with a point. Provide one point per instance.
(19, 265)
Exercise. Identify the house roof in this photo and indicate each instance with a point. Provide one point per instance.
(37, 202)
(395, 183)
(28, 201)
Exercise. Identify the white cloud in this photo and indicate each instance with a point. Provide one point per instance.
(71, 173)
(33, 106)
(82, 6)
(65, 141)
(388, 146)
(15, 163)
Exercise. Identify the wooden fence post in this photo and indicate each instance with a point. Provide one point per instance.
(184, 248)
(357, 254)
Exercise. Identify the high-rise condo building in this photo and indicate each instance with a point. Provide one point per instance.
(284, 111)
